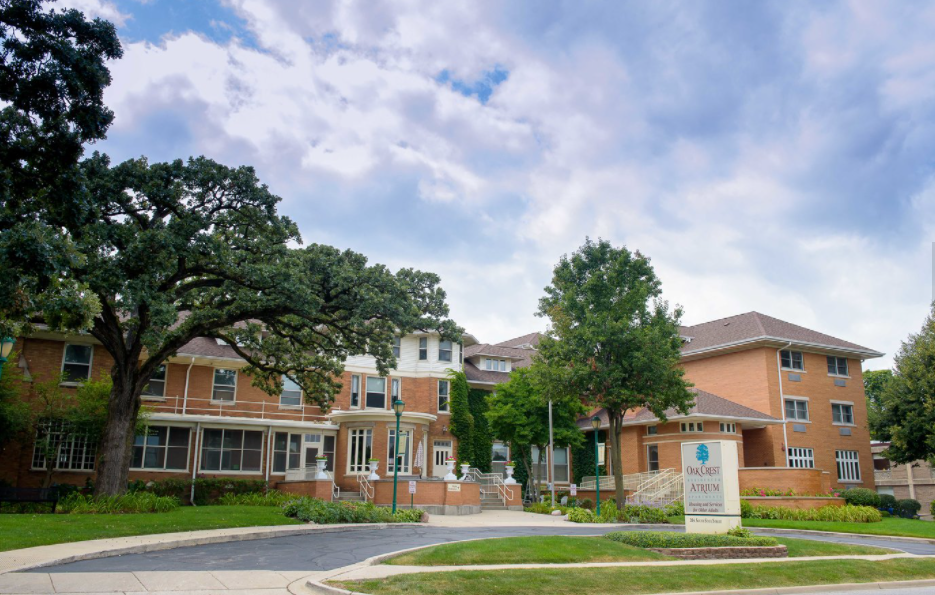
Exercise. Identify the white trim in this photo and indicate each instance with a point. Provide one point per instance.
(214, 370)
(241, 422)
(866, 353)
(836, 402)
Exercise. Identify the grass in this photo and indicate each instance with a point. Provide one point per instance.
(28, 530)
(569, 550)
(640, 580)
(888, 526)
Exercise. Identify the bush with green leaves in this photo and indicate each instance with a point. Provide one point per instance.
(861, 497)
(270, 498)
(887, 502)
(833, 514)
(582, 515)
(676, 508)
(586, 503)
(908, 508)
(642, 514)
(313, 510)
(208, 490)
(136, 502)
(739, 531)
(666, 539)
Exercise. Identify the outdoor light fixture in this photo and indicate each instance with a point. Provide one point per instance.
(6, 346)
(596, 424)
(398, 407)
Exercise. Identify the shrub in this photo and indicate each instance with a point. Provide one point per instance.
(665, 539)
(676, 508)
(581, 515)
(313, 510)
(586, 503)
(642, 514)
(932, 508)
(740, 532)
(134, 502)
(270, 498)
(837, 514)
(608, 513)
(908, 508)
(861, 497)
(208, 490)
(887, 502)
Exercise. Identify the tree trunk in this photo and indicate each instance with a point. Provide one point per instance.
(116, 448)
(615, 456)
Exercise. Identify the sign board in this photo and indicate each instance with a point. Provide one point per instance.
(412, 487)
(712, 486)
(454, 487)
(573, 490)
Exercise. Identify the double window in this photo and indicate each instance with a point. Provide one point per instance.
(791, 360)
(837, 366)
(162, 447)
(842, 413)
(376, 392)
(225, 385)
(76, 365)
(848, 465)
(444, 351)
(291, 395)
(70, 450)
(727, 428)
(443, 397)
(355, 391)
(423, 348)
(287, 450)
(797, 409)
(691, 426)
(231, 450)
(801, 458)
(359, 449)
(156, 387)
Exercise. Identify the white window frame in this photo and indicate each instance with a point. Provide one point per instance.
(798, 457)
(848, 466)
(77, 447)
(395, 389)
(649, 448)
(367, 391)
(90, 363)
(691, 427)
(727, 427)
(842, 404)
(165, 379)
(652, 430)
(423, 349)
(446, 394)
(567, 465)
(791, 367)
(241, 471)
(397, 346)
(355, 379)
(285, 390)
(796, 419)
(358, 438)
(163, 469)
(837, 366)
(215, 385)
(445, 352)
(287, 452)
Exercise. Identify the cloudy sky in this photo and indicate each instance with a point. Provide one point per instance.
(769, 156)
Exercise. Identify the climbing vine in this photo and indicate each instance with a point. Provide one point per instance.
(462, 422)
(481, 438)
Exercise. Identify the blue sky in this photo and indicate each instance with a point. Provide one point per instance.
(768, 156)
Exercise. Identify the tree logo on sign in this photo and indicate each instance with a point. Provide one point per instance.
(702, 454)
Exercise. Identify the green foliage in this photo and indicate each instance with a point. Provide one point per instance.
(586, 503)
(875, 383)
(461, 424)
(582, 458)
(614, 342)
(641, 513)
(582, 515)
(127, 503)
(481, 438)
(270, 498)
(908, 508)
(208, 490)
(772, 492)
(665, 539)
(14, 412)
(887, 501)
(836, 514)
(861, 497)
(740, 532)
(313, 510)
(676, 508)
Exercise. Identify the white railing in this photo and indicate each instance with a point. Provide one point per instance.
(241, 408)
(490, 483)
(631, 482)
(664, 487)
(366, 489)
(309, 474)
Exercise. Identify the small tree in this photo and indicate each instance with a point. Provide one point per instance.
(14, 412)
(613, 340)
(461, 425)
(875, 383)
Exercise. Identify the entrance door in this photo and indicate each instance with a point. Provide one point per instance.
(312, 444)
(441, 451)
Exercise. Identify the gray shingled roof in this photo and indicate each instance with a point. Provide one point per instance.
(530, 339)
(475, 374)
(496, 351)
(753, 326)
(207, 347)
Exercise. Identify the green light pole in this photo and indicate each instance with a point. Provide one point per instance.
(596, 424)
(398, 407)
(6, 346)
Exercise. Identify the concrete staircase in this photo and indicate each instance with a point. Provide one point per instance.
(491, 502)
(349, 497)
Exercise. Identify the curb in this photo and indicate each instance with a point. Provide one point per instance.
(839, 534)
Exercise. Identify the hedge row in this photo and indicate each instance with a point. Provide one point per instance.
(313, 510)
(836, 514)
(663, 539)
(128, 503)
(208, 490)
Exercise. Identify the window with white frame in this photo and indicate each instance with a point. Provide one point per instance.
(423, 348)
(652, 457)
(443, 396)
(231, 450)
(842, 413)
(848, 465)
(652, 430)
(444, 351)
(70, 450)
(76, 363)
(359, 445)
(355, 391)
(397, 344)
(405, 440)
(560, 464)
(225, 385)
(287, 450)
(791, 360)
(291, 395)
(797, 409)
(728, 428)
(156, 387)
(162, 447)
(801, 458)
(837, 366)
(495, 365)
(376, 392)
(691, 426)
(500, 454)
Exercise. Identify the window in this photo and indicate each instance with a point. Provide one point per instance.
(376, 392)
(496, 365)
(161, 447)
(503, 365)
(286, 450)
(443, 386)
(405, 439)
(500, 454)
(652, 430)
(848, 465)
(791, 360)
(396, 346)
(880, 463)
(728, 428)
(157, 383)
(423, 348)
(225, 385)
(560, 464)
(837, 366)
(291, 395)
(842, 414)
(797, 409)
(692, 426)
(801, 458)
(358, 450)
(71, 450)
(328, 451)
(541, 468)
(652, 457)
(76, 365)
(355, 391)
(231, 450)
(444, 351)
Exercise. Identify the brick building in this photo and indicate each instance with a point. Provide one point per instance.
(915, 480)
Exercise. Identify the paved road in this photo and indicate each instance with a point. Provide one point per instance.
(909, 591)
(333, 550)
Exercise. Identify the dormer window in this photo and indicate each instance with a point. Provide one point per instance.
(495, 365)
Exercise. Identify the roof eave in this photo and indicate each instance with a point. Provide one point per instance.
(767, 340)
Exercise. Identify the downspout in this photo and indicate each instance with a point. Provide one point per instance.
(782, 404)
(191, 497)
(269, 454)
(185, 398)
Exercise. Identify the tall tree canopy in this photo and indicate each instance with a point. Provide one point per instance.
(875, 383)
(613, 341)
(906, 412)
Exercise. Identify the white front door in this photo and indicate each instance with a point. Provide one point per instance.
(441, 450)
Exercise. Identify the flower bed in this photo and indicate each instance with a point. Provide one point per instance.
(798, 502)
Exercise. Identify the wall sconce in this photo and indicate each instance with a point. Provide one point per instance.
(444, 429)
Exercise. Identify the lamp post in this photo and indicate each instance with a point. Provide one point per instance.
(596, 424)
(398, 407)
(6, 346)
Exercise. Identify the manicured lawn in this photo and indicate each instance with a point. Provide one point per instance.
(28, 530)
(888, 526)
(632, 581)
(801, 548)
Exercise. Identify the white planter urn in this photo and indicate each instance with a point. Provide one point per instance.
(374, 465)
(450, 463)
(464, 471)
(322, 467)
(509, 476)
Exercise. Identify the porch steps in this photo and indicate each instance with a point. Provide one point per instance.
(349, 497)
(491, 502)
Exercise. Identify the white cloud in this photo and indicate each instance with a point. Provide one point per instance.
(96, 9)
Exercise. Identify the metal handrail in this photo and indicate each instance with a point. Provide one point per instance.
(490, 483)
(366, 489)
(254, 409)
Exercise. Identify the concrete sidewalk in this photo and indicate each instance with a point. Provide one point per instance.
(255, 582)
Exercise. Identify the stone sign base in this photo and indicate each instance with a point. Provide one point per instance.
(710, 524)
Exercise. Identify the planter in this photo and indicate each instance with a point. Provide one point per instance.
(450, 463)
(464, 471)
(374, 466)
(322, 467)
(509, 476)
